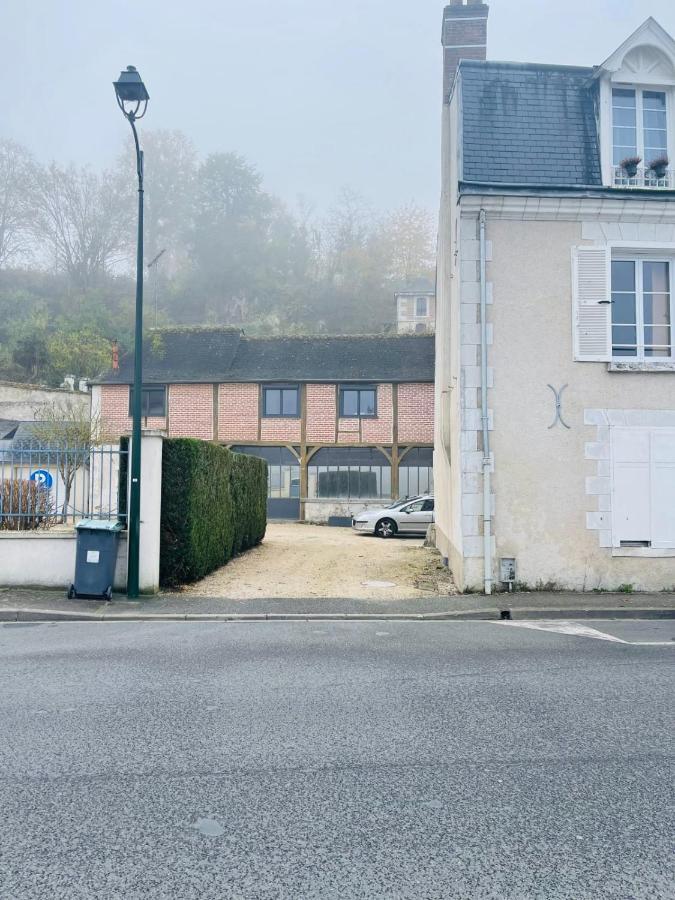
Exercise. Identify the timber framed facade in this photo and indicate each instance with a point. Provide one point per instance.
(344, 423)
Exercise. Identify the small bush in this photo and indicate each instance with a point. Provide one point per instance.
(214, 504)
(25, 505)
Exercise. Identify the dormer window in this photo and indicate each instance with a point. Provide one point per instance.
(637, 111)
(640, 125)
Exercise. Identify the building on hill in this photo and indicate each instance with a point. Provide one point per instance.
(343, 422)
(416, 307)
(555, 363)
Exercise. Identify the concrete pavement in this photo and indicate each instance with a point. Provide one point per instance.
(26, 605)
(336, 760)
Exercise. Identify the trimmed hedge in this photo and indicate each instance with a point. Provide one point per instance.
(214, 505)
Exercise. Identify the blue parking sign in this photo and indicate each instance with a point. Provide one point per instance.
(42, 478)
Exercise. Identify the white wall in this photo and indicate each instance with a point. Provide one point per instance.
(319, 511)
(23, 401)
(47, 560)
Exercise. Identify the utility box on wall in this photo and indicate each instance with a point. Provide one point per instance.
(507, 571)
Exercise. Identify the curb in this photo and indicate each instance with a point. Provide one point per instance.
(52, 615)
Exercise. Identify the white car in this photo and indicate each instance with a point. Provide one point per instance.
(411, 516)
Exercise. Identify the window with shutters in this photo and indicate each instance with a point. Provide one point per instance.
(643, 487)
(642, 308)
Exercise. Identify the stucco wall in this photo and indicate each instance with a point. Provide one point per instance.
(56, 553)
(23, 401)
(540, 478)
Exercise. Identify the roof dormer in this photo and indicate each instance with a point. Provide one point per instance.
(637, 111)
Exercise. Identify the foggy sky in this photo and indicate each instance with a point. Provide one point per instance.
(317, 94)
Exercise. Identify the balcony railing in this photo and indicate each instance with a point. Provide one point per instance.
(644, 178)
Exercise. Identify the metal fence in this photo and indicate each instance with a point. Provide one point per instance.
(44, 486)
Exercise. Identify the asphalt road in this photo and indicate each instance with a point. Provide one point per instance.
(343, 759)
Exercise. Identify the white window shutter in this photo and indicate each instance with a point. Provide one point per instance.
(591, 292)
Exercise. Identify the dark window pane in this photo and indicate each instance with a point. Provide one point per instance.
(290, 401)
(623, 309)
(624, 335)
(623, 275)
(421, 306)
(624, 137)
(623, 97)
(350, 403)
(367, 403)
(624, 351)
(155, 402)
(623, 117)
(272, 402)
(654, 100)
(656, 143)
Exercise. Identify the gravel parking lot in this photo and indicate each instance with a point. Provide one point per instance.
(297, 560)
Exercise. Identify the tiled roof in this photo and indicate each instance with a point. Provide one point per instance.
(529, 124)
(207, 355)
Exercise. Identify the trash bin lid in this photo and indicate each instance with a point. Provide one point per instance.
(99, 525)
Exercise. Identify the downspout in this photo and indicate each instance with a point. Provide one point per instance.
(487, 505)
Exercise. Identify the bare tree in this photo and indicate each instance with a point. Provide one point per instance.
(407, 240)
(15, 177)
(70, 432)
(83, 221)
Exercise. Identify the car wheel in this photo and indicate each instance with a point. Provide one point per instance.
(386, 528)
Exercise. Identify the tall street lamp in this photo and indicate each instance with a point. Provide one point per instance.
(132, 99)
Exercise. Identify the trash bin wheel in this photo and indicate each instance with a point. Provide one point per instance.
(71, 592)
(108, 592)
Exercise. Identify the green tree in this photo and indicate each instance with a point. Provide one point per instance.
(84, 353)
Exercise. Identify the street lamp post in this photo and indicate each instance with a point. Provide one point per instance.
(132, 99)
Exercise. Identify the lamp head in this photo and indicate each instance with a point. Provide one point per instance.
(131, 93)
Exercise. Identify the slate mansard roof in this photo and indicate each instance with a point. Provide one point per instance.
(208, 355)
(528, 124)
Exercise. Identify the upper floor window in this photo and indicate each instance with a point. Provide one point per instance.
(642, 308)
(421, 306)
(281, 401)
(153, 401)
(640, 136)
(358, 402)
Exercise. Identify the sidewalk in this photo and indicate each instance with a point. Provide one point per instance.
(22, 605)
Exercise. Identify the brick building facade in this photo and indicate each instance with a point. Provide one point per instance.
(361, 406)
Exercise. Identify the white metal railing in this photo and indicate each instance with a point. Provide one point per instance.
(644, 178)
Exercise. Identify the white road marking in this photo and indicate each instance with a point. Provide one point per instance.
(576, 629)
(562, 627)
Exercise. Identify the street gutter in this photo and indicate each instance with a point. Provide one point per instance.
(20, 614)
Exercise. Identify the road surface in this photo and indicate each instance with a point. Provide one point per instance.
(337, 760)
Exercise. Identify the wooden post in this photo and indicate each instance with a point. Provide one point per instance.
(394, 448)
(215, 413)
(303, 450)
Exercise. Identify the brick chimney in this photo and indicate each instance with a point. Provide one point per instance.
(464, 37)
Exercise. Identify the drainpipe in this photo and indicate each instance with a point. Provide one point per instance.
(487, 506)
